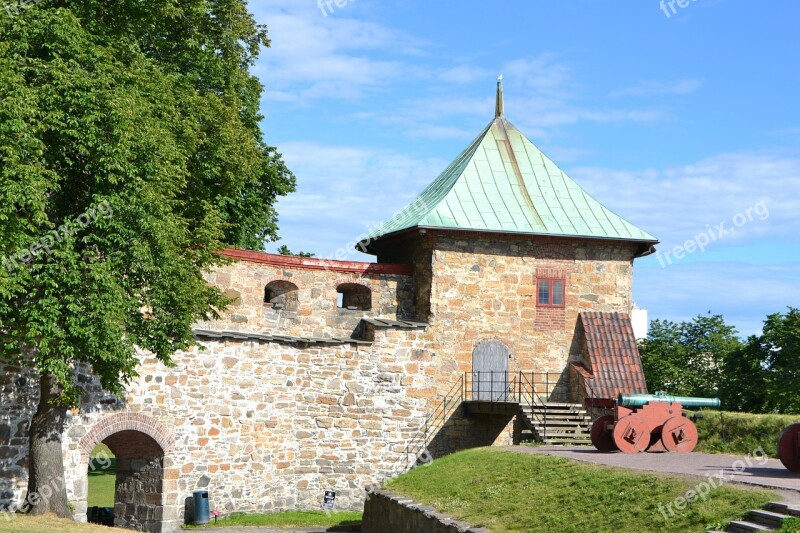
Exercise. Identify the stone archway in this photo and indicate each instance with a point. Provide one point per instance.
(143, 490)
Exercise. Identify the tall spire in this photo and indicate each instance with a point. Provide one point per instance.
(499, 110)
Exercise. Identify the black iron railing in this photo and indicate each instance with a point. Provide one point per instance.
(416, 449)
(532, 390)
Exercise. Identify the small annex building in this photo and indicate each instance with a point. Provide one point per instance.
(502, 291)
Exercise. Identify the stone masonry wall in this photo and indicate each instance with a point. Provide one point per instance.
(484, 289)
(263, 426)
(315, 313)
(266, 426)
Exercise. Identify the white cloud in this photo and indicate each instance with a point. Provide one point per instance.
(660, 88)
(343, 192)
(313, 56)
(678, 203)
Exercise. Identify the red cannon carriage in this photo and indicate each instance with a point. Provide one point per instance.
(649, 422)
(789, 447)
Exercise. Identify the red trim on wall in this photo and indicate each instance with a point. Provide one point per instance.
(310, 263)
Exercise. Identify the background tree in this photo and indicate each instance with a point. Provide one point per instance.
(687, 358)
(142, 119)
(763, 377)
(284, 250)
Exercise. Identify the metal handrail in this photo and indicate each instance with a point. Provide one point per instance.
(534, 396)
(503, 392)
(420, 441)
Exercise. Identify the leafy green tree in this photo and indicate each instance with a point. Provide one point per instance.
(687, 358)
(763, 376)
(284, 250)
(745, 378)
(130, 153)
(780, 343)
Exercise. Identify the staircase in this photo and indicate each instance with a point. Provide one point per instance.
(556, 423)
(768, 519)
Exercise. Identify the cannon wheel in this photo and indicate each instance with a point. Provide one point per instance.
(789, 447)
(602, 437)
(632, 434)
(679, 435)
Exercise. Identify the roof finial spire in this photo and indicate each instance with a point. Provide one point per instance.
(499, 110)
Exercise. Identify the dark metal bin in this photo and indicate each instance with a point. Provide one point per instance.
(202, 514)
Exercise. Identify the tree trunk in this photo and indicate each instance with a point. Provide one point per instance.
(47, 491)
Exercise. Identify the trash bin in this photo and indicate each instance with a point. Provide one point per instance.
(201, 508)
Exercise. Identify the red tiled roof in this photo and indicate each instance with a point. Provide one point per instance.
(610, 356)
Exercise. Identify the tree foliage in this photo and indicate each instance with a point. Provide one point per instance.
(130, 153)
(686, 359)
(703, 357)
(284, 250)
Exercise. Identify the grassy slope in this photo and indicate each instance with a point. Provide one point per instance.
(508, 491)
(293, 518)
(47, 524)
(743, 433)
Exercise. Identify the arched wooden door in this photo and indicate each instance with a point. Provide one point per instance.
(489, 372)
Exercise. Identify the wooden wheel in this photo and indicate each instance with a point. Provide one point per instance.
(789, 447)
(632, 434)
(679, 435)
(603, 435)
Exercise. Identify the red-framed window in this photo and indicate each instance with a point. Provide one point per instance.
(550, 292)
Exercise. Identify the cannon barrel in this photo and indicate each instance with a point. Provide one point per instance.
(639, 400)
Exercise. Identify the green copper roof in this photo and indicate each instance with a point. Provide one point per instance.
(503, 182)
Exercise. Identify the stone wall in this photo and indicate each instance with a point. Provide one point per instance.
(262, 426)
(268, 425)
(387, 512)
(483, 288)
(313, 310)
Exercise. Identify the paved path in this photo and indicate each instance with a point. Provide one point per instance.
(753, 470)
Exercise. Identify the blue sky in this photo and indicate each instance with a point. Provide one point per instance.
(679, 123)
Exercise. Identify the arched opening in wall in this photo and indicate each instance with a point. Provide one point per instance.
(281, 295)
(101, 486)
(138, 481)
(354, 297)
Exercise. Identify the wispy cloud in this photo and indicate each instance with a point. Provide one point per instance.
(674, 204)
(336, 57)
(343, 190)
(660, 88)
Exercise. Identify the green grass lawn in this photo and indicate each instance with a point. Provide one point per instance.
(791, 525)
(102, 477)
(47, 524)
(741, 433)
(290, 518)
(509, 491)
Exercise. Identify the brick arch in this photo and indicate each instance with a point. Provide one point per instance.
(126, 421)
(353, 281)
(287, 279)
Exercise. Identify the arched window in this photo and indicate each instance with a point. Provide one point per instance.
(354, 297)
(281, 295)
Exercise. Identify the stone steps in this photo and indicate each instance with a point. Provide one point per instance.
(769, 518)
(556, 423)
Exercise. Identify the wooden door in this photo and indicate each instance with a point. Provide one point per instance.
(489, 372)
